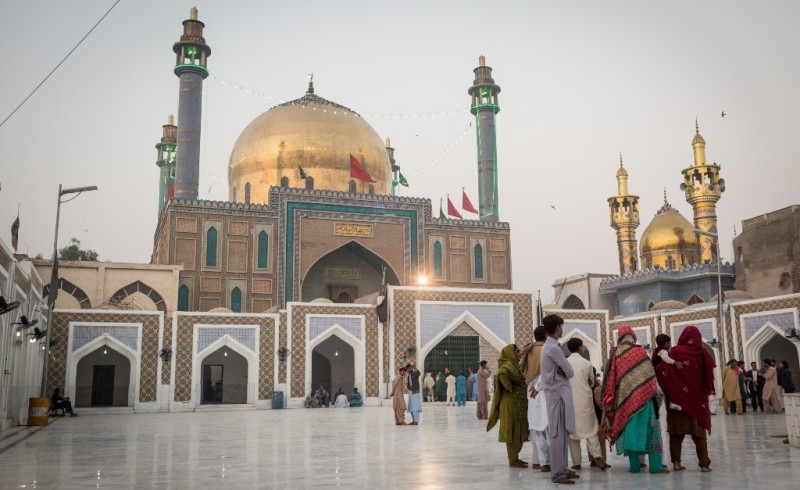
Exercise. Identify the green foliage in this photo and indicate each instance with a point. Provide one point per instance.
(73, 252)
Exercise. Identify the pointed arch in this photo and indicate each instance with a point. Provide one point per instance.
(236, 300)
(437, 260)
(234, 345)
(760, 339)
(72, 290)
(694, 299)
(468, 318)
(105, 340)
(354, 342)
(211, 247)
(478, 255)
(573, 303)
(247, 193)
(140, 287)
(183, 298)
(263, 248)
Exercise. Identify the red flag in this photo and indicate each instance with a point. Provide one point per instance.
(466, 204)
(451, 210)
(358, 172)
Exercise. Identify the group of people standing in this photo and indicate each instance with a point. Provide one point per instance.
(762, 387)
(407, 376)
(455, 390)
(556, 401)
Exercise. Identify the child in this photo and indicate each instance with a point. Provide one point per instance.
(661, 354)
(663, 344)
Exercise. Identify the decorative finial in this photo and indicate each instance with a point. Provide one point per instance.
(620, 159)
(193, 13)
(310, 84)
(734, 229)
(171, 120)
(696, 126)
(482, 60)
(388, 143)
(665, 195)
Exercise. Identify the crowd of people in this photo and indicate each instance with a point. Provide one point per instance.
(321, 398)
(556, 401)
(762, 388)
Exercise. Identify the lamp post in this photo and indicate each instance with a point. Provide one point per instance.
(720, 295)
(54, 279)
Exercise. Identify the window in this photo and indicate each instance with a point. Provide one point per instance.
(262, 250)
(211, 247)
(236, 300)
(478, 261)
(247, 193)
(437, 259)
(183, 298)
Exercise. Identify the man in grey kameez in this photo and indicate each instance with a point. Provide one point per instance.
(555, 373)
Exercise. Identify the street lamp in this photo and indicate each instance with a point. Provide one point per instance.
(54, 278)
(720, 294)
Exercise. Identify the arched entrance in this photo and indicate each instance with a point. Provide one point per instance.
(333, 365)
(461, 345)
(573, 303)
(103, 379)
(770, 343)
(351, 269)
(224, 377)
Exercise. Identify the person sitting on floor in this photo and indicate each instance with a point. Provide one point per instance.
(58, 402)
(340, 399)
(323, 398)
(355, 399)
(311, 402)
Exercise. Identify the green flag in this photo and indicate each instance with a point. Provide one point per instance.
(15, 233)
(403, 180)
(302, 172)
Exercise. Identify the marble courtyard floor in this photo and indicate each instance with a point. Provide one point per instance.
(352, 448)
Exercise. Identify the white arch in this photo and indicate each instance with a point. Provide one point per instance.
(468, 318)
(595, 353)
(358, 354)
(760, 339)
(236, 346)
(105, 340)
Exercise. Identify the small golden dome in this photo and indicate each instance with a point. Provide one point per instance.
(313, 133)
(668, 241)
(622, 172)
(698, 139)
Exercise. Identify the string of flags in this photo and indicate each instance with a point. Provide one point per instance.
(371, 115)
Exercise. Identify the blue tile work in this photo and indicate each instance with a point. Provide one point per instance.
(591, 330)
(318, 324)
(82, 335)
(753, 324)
(207, 336)
(435, 317)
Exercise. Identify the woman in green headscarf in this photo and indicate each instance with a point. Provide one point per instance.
(510, 405)
(439, 388)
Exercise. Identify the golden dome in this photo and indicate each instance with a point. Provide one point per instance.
(698, 139)
(312, 133)
(668, 241)
(622, 172)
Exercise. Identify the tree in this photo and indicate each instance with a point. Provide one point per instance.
(73, 252)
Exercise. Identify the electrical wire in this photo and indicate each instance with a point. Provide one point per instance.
(59, 64)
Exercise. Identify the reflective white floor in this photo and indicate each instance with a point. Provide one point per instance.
(355, 448)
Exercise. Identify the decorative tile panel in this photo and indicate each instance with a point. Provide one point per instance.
(83, 334)
(597, 316)
(706, 329)
(436, 317)
(186, 225)
(318, 324)
(148, 369)
(208, 335)
(591, 330)
(753, 324)
(184, 350)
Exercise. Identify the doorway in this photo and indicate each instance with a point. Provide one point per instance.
(103, 386)
(457, 353)
(212, 383)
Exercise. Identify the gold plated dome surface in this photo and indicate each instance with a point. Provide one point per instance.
(669, 233)
(312, 133)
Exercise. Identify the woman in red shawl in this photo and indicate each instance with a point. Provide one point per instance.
(689, 389)
(628, 388)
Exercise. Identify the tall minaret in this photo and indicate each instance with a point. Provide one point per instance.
(192, 53)
(624, 209)
(166, 161)
(485, 106)
(703, 187)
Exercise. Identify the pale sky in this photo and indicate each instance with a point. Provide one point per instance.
(581, 82)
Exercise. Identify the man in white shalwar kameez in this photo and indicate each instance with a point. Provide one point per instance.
(537, 405)
(586, 426)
